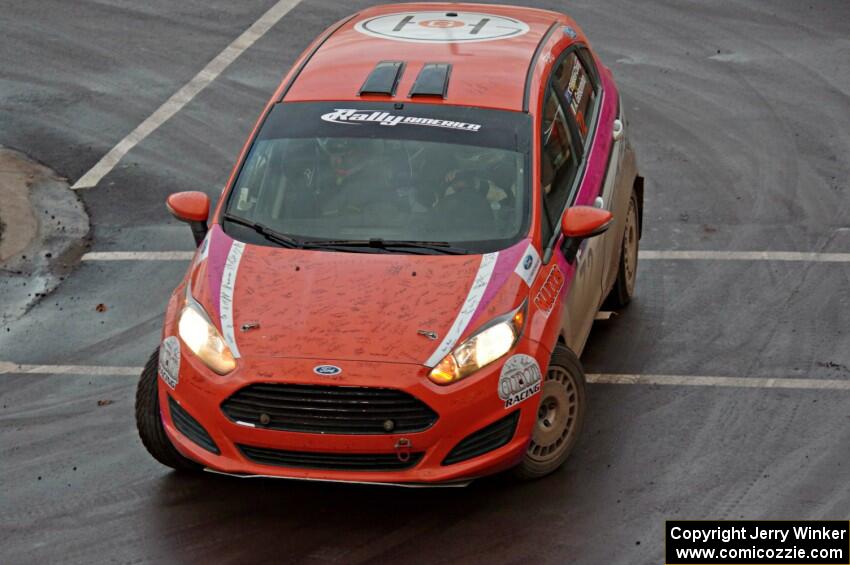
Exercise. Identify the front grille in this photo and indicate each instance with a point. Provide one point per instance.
(190, 427)
(331, 461)
(486, 439)
(328, 409)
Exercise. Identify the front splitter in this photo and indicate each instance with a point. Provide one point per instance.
(452, 484)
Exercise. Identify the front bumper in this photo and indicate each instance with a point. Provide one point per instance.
(462, 408)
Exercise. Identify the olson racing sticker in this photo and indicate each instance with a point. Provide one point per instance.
(354, 117)
(169, 361)
(442, 27)
(520, 379)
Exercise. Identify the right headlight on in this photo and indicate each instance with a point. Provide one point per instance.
(481, 349)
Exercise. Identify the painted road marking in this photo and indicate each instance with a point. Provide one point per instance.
(745, 256)
(593, 378)
(647, 255)
(93, 370)
(139, 256)
(183, 96)
(733, 382)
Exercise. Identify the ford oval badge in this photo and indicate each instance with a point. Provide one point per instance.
(327, 370)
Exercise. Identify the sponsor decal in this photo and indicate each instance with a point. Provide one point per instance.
(204, 250)
(228, 287)
(169, 361)
(529, 265)
(442, 27)
(548, 293)
(570, 32)
(355, 117)
(519, 380)
(473, 298)
(327, 370)
(576, 87)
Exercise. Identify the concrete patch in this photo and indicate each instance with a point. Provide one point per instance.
(44, 231)
(17, 223)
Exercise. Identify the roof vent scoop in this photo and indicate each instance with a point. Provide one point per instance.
(383, 79)
(433, 80)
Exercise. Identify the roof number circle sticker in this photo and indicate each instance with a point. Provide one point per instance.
(442, 27)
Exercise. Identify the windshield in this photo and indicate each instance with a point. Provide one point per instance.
(430, 179)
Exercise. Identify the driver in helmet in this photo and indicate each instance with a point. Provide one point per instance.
(354, 178)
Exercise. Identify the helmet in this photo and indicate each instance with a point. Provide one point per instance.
(346, 155)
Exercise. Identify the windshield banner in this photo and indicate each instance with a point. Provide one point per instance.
(355, 117)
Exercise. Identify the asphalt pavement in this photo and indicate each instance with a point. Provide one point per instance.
(740, 115)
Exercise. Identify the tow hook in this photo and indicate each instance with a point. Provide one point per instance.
(402, 449)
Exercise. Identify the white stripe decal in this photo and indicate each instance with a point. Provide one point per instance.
(228, 286)
(476, 291)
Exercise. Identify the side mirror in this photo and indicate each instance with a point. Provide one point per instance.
(192, 207)
(580, 223)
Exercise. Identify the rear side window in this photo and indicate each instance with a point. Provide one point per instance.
(573, 81)
(558, 163)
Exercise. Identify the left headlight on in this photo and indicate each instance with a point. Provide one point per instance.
(481, 349)
(202, 338)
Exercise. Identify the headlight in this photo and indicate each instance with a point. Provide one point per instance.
(201, 336)
(481, 349)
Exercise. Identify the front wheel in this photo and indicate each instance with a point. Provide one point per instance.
(624, 286)
(560, 417)
(149, 421)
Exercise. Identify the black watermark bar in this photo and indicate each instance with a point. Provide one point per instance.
(768, 542)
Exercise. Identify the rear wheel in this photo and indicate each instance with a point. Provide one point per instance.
(624, 286)
(149, 421)
(560, 416)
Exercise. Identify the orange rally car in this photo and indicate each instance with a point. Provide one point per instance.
(403, 269)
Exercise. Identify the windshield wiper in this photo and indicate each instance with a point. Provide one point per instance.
(267, 232)
(378, 243)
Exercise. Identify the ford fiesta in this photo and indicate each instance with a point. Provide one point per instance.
(402, 271)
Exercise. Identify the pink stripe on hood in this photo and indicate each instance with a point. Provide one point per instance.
(505, 266)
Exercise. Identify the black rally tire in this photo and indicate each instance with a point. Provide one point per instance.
(551, 445)
(624, 285)
(149, 421)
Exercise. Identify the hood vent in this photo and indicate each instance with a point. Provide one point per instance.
(433, 80)
(383, 79)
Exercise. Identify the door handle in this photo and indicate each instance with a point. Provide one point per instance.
(619, 130)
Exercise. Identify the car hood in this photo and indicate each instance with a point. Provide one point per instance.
(380, 307)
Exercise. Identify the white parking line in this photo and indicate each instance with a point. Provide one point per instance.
(745, 256)
(593, 378)
(733, 382)
(95, 370)
(646, 255)
(138, 256)
(183, 96)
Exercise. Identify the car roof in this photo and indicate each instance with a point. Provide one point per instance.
(488, 73)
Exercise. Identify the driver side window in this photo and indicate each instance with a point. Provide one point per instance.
(558, 163)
